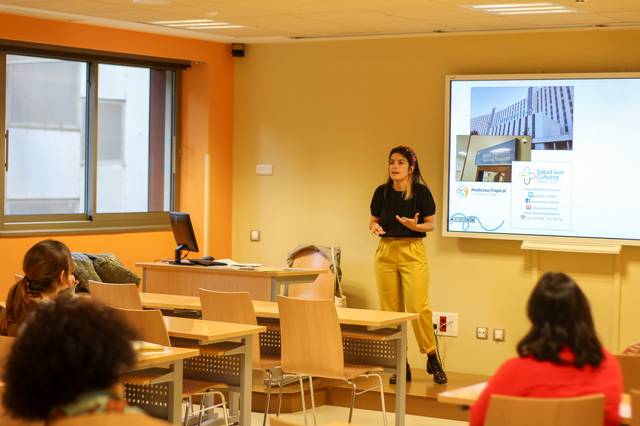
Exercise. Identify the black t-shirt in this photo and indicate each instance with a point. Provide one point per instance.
(387, 204)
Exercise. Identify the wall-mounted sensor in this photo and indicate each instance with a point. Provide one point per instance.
(254, 235)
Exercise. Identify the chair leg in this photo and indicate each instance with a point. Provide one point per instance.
(203, 405)
(304, 408)
(353, 400)
(266, 409)
(384, 410)
(279, 398)
(313, 402)
(188, 408)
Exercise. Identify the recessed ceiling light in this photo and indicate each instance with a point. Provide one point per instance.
(520, 8)
(196, 24)
(153, 2)
(215, 27)
(182, 21)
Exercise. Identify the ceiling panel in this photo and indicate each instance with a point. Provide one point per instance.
(271, 19)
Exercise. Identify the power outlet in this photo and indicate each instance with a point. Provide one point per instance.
(445, 323)
(482, 333)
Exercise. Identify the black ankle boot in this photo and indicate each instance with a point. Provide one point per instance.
(434, 367)
(392, 379)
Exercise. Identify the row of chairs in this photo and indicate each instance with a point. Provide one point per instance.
(307, 350)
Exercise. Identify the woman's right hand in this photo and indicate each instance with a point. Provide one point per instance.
(376, 229)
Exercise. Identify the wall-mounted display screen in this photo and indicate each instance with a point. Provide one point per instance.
(544, 156)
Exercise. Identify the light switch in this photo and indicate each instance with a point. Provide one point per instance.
(254, 235)
(264, 169)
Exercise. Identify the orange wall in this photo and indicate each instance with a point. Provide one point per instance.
(207, 127)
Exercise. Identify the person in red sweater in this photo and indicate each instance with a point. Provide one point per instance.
(560, 356)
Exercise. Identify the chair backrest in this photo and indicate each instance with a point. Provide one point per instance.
(630, 367)
(116, 295)
(325, 284)
(148, 325)
(525, 411)
(5, 347)
(310, 337)
(17, 277)
(635, 407)
(231, 306)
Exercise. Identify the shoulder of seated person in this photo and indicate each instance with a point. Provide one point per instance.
(109, 419)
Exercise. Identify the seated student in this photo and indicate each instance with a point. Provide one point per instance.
(48, 270)
(561, 355)
(66, 362)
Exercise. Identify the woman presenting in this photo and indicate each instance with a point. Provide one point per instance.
(402, 212)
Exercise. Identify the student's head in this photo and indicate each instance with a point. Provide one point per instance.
(403, 165)
(67, 347)
(48, 269)
(560, 318)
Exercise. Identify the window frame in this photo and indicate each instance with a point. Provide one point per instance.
(90, 221)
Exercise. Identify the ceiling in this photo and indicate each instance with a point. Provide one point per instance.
(290, 20)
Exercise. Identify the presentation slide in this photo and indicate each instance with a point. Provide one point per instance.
(555, 157)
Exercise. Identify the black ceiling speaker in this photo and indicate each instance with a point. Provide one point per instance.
(237, 50)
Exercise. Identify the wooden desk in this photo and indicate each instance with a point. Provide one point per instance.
(175, 358)
(207, 332)
(467, 395)
(362, 346)
(262, 283)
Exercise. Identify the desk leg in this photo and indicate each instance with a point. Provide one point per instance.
(401, 374)
(246, 381)
(175, 394)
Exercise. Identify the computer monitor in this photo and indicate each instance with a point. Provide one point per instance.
(183, 233)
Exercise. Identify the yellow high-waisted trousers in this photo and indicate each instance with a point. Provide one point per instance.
(402, 274)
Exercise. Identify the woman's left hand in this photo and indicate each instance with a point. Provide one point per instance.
(409, 222)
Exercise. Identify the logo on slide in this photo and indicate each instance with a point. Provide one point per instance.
(527, 175)
(462, 191)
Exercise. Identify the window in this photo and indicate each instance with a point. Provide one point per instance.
(88, 145)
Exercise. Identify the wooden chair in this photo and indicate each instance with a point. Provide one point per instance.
(311, 345)
(525, 411)
(237, 307)
(116, 295)
(325, 284)
(149, 326)
(630, 367)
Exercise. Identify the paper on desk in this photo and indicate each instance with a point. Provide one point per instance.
(233, 263)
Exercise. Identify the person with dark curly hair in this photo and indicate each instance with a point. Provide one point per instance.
(560, 356)
(48, 270)
(67, 361)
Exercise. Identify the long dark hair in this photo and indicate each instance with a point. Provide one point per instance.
(42, 266)
(560, 318)
(416, 177)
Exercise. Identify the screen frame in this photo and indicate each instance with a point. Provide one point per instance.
(551, 239)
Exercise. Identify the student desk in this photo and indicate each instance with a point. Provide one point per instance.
(174, 357)
(208, 332)
(467, 395)
(369, 336)
(262, 283)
